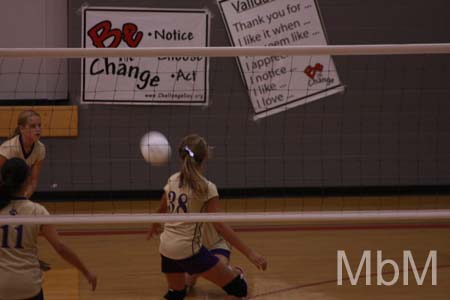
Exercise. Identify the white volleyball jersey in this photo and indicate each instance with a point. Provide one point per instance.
(13, 148)
(20, 275)
(181, 240)
(212, 239)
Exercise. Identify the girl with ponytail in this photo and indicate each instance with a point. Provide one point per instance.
(14, 174)
(193, 150)
(25, 144)
(181, 247)
(21, 276)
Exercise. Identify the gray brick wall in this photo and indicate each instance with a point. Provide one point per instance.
(391, 127)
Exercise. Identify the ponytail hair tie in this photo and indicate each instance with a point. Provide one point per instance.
(189, 151)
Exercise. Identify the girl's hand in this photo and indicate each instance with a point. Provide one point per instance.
(258, 260)
(155, 230)
(92, 279)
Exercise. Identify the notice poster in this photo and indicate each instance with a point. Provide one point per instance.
(278, 83)
(145, 80)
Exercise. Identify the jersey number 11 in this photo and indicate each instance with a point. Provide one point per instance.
(19, 230)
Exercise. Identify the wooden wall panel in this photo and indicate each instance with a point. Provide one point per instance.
(57, 121)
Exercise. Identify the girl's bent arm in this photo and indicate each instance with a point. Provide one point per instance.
(50, 233)
(156, 228)
(35, 172)
(230, 236)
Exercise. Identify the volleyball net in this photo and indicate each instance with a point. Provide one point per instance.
(293, 129)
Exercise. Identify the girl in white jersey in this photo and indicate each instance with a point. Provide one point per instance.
(181, 243)
(25, 144)
(20, 275)
(216, 245)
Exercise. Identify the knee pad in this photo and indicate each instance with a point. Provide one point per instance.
(237, 287)
(175, 295)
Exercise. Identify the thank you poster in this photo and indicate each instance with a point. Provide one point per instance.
(278, 83)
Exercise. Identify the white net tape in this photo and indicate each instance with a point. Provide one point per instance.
(388, 49)
(298, 217)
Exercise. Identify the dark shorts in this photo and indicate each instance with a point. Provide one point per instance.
(199, 263)
(39, 296)
(222, 252)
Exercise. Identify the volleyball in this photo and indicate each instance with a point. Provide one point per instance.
(155, 148)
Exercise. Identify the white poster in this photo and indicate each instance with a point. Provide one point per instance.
(277, 83)
(145, 80)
